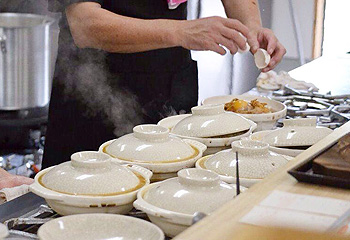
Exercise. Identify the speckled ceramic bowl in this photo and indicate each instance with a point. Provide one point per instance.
(264, 121)
(90, 183)
(4, 232)
(99, 226)
(255, 162)
(152, 147)
(171, 204)
(171, 121)
(297, 133)
(258, 136)
(214, 127)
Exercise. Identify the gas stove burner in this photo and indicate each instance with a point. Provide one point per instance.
(25, 227)
(310, 93)
(307, 107)
(330, 111)
(343, 111)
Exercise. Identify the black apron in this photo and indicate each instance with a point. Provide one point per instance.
(145, 86)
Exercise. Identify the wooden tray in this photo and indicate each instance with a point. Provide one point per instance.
(303, 173)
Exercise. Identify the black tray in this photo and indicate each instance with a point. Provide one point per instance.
(303, 173)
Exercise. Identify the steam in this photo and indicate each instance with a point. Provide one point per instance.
(85, 76)
(87, 79)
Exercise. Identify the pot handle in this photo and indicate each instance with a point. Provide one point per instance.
(139, 169)
(3, 44)
(202, 147)
(147, 208)
(39, 190)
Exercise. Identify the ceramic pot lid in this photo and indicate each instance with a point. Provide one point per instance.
(297, 132)
(150, 143)
(99, 226)
(3, 231)
(91, 173)
(194, 190)
(255, 160)
(211, 121)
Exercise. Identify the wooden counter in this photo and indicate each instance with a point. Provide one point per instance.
(224, 223)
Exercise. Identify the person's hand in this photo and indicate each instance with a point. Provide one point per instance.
(266, 39)
(8, 180)
(211, 34)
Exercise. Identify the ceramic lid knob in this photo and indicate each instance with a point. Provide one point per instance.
(208, 110)
(90, 159)
(151, 132)
(198, 177)
(250, 147)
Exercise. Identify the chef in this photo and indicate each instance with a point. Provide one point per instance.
(134, 56)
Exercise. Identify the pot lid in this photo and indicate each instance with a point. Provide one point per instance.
(211, 121)
(91, 173)
(3, 231)
(150, 143)
(255, 160)
(297, 132)
(99, 226)
(194, 190)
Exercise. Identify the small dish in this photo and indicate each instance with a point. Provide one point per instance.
(171, 204)
(90, 183)
(262, 58)
(152, 147)
(255, 162)
(264, 121)
(99, 226)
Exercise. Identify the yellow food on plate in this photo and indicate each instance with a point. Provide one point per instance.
(244, 107)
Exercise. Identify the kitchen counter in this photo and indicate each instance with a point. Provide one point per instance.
(327, 73)
(224, 223)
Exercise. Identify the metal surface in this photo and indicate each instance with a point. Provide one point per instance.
(24, 61)
(237, 176)
(20, 206)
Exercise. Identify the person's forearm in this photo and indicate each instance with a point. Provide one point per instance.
(95, 27)
(246, 11)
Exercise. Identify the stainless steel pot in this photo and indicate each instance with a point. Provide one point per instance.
(24, 61)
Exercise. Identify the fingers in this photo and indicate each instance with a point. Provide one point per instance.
(13, 181)
(216, 48)
(253, 42)
(277, 56)
(236, 25)
(234, 37)
(20, 180)
(271, 43)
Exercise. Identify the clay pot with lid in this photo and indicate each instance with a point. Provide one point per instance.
(90, 183)
(171, 204)
(294, 137)
(256, 162)
(152, 147)
(213, 126)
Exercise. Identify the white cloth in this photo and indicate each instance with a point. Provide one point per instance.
(273, 81)
(7, 194)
